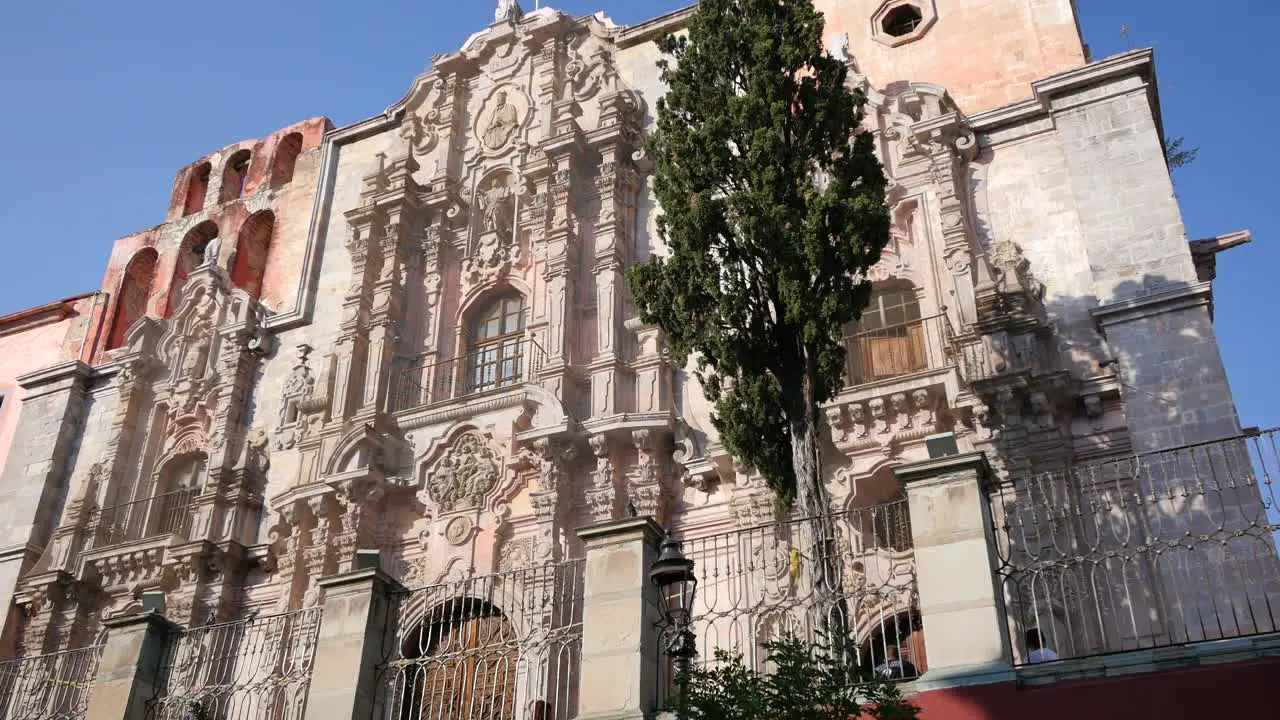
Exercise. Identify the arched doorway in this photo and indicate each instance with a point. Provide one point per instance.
(460, 662)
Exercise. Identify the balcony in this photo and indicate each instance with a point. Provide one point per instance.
(156, 516)
(897, 350)
(490, 368)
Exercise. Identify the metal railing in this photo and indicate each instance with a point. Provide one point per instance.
(857, 585)
(258, 668)
(165, 514)
(896, 350)
(495, 647)
(48, 687)
(493, 367)
(1160, 549)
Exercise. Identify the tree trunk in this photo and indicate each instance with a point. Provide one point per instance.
(817, 537)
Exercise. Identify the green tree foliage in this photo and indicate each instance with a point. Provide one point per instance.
(805, 684)
(1177, 155)
(773, 209)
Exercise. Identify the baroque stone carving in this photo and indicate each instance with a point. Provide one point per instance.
(300, 383)
(498, 121)
(465, 474)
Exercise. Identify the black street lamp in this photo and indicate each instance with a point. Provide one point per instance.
(672, 573)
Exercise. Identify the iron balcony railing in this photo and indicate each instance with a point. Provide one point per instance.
(506, 646)
(155, 516)
(49, 687)
(496, 366)
(897, 350)
(1160, 549)
(847, 577)
(252, 669)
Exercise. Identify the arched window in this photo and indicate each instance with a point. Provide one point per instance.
(252, 246)
(459, 663)
(190, 256)
(286, 157)
(171, 507)
(135, 293)
(890, 307)
(889, 340)
(234, 176)
(495, 352)
(197, 187)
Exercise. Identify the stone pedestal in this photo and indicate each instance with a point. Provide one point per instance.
(129, 674)
(620, 619)
(358, 620)
(961, 604)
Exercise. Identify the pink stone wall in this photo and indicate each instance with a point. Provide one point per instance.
(1025, 39)
(32, 340)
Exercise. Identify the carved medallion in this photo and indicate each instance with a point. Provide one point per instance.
(500, 118)
(466, 473)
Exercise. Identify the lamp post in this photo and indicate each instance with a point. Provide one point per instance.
(672, 573)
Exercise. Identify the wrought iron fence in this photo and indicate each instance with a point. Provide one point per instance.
(896, 350)
(493, 367)
(258, 668)
(492, 647)
(165, 514)
(48, 687)
(1165, 548)
(848, 577)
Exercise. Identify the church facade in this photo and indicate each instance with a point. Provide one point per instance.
(413, 335)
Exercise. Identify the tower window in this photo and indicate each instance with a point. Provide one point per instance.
(902, 21)
(235, 175)
(197, 186)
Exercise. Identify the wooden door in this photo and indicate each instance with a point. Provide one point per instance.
(472, 673)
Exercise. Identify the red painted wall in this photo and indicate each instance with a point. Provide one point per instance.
(1231, 691)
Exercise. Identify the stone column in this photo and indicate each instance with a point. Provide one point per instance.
(129, 674)
(961, 603)
(358, 618)
(619, 621)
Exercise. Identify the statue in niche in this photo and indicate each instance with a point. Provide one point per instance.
(212, 250)
(496, 206)
(495, 249)
(502, 122)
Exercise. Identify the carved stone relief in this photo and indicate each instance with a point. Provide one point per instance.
(500, 117)
(468, 471)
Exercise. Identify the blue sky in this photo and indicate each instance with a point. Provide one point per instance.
(104, 102)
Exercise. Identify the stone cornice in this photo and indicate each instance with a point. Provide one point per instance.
(46, 314)
(467, 406)
(943, 469)
(53, 378)
(1042, 107)
(651, 29)
(1166, 299)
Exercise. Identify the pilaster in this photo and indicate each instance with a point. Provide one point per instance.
(129, 674)
(961, 605)
(358, 610)
(619, 621)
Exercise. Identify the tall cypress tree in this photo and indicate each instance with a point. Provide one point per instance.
(773, 209)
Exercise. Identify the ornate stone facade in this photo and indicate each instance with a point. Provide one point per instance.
(442, 362)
